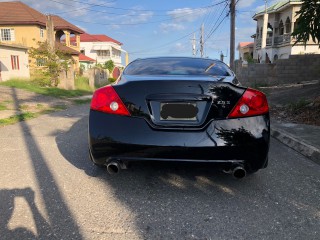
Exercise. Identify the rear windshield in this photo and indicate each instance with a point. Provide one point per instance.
(177, 66)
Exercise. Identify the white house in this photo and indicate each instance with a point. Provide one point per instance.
(101, 48)
(281, 20)
(14, 62)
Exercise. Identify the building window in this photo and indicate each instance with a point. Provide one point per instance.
(104, 53)
(7, 34)
(288, 25)
(281, 28)
(41, 62)
(15, 62)
(41, 32)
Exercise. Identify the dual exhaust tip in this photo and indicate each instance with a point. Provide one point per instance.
(238, 172)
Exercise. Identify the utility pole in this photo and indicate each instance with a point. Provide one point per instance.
(50, 33)
(194, 50)
(222, 56)
(232, 32)
(264, 33)
(202, 40)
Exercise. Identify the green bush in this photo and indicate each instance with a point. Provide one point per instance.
(111, 80)
(42, 82)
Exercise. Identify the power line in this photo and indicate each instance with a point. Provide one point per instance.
(217, 25)
(162, 20)
(165, 44)
(129, 9)
(213, 20)
(114, 13)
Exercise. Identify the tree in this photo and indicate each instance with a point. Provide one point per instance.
(308, 22)
(109, 65)
(52, 61)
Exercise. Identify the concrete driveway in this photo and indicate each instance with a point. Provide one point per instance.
(50, 190)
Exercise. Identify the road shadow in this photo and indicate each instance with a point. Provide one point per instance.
(61, 222)
(7, 207)
(73, 145)
(191, 201)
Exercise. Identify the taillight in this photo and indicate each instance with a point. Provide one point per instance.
(107, 100)
(252, 103)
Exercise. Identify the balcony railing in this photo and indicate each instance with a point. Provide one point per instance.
(269, 42)
(278, 40)
(258, 43)
(286, 38)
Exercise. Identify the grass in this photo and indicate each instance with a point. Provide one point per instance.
(296, 106)
(29, 115)
(82, 83)
(3, 106)
(48, 91)
(81, 101)
(17, 118)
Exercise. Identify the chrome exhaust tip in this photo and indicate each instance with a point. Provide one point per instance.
(113, 168)
(239, 172)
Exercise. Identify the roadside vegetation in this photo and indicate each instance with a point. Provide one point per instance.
(34, 86)
(28, 115)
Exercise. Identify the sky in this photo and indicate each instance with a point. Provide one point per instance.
(149, 28)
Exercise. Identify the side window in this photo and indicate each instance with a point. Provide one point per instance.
(15, 62)
(7, 34)
(41, 32)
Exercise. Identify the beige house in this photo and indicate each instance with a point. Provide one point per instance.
(281, 21)
(14, 62)
(245, 51)
(25, 26)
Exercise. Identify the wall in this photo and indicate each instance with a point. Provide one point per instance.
(296, 69)
(6, 67)
(97, 77)
(66, 79)
(26, 35)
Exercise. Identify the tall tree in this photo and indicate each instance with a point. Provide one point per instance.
(308, 22)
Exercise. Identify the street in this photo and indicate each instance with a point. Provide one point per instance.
(49, 189)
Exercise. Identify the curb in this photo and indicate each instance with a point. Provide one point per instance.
(296, 144)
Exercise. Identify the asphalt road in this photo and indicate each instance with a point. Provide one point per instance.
(50, 190)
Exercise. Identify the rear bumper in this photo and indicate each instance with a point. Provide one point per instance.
(232, 141)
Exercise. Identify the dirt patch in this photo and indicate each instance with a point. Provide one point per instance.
(296, 104)
(15, 101)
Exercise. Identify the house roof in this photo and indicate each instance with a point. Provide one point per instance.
(246, 44)
(12, 13)
(61, 24)
(85, 37)
(84, 58)
(275, 7)
(64, 48)
(18, 13)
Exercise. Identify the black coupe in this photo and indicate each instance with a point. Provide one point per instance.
(179, 109)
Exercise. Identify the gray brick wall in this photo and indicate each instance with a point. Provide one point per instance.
(296, 69)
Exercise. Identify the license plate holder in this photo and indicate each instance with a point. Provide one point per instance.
(178, 111)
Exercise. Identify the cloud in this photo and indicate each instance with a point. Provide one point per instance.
(64, 8)
(167, 27)
(262, 7)
(245, 3)
(245, 33)
(84, 29)
(179, 48)
(186, 14)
